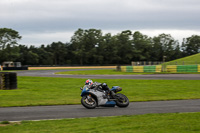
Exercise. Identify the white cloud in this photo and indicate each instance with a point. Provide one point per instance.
(46, 38)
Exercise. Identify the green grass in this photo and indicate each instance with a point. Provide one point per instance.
(57, 91)
(189, 60)
(148, 123)
(100, 72)
(10, 70)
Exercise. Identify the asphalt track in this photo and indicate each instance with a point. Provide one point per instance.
(50, 73)
(77, 111)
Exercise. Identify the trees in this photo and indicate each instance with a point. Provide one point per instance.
(28, 55)
(84, 45)
(124, 47)
(45, 57)
(108, 49)
(58, 51)
(164, 46)
(91, 47)
(32, 58)
(191, 45)
(8, 41)
(8, 38)
(142, 46)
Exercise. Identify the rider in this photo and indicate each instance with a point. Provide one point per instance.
(102, 86)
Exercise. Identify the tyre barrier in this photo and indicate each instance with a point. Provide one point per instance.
(183, 68)
(15, 68)
(155, 68)
(8, 80)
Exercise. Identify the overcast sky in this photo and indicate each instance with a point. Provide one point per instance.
(46, 21)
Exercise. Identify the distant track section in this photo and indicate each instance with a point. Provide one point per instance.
(76, 67)
(50, 73)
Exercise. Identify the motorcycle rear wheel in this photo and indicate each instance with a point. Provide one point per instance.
(122, 101)
(88, 103)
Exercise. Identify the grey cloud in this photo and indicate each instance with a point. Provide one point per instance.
(69, 15)
(73, 13)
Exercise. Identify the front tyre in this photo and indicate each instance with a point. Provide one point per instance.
(122, 101)
(88, 102)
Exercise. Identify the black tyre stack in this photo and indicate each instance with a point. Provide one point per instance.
(8, 80)
(118, 68)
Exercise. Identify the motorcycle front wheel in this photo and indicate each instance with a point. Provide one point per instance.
(88, 102)
(122, 101)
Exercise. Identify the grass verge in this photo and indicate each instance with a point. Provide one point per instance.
(148, 123)
(189, 60)
(56, 91)
(98, 72)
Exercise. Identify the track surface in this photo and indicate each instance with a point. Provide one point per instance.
(77, 111)
(50, 73)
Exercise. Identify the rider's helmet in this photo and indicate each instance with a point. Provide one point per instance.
(88, 82)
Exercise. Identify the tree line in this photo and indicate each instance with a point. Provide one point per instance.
(92, 47)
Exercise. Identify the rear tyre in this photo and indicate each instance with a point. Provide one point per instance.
(88, 102)
(122, 101)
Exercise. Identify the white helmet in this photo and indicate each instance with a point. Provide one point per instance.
(88, 82)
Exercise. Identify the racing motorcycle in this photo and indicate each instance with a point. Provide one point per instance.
(95, 97)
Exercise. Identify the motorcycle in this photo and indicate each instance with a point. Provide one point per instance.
(96, 97)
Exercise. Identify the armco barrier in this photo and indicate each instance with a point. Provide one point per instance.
(138, 68)
(187, 68)
(129, 69)
(183, 68)
(157, 68)
(149, 68)
(198, 68)
(123, 68)
(171, 68)
(15, 68)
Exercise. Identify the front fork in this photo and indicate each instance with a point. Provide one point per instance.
(89, 97)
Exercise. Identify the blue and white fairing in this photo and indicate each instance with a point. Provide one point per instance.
(99, 96)
(114, 88)
(85, 90)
